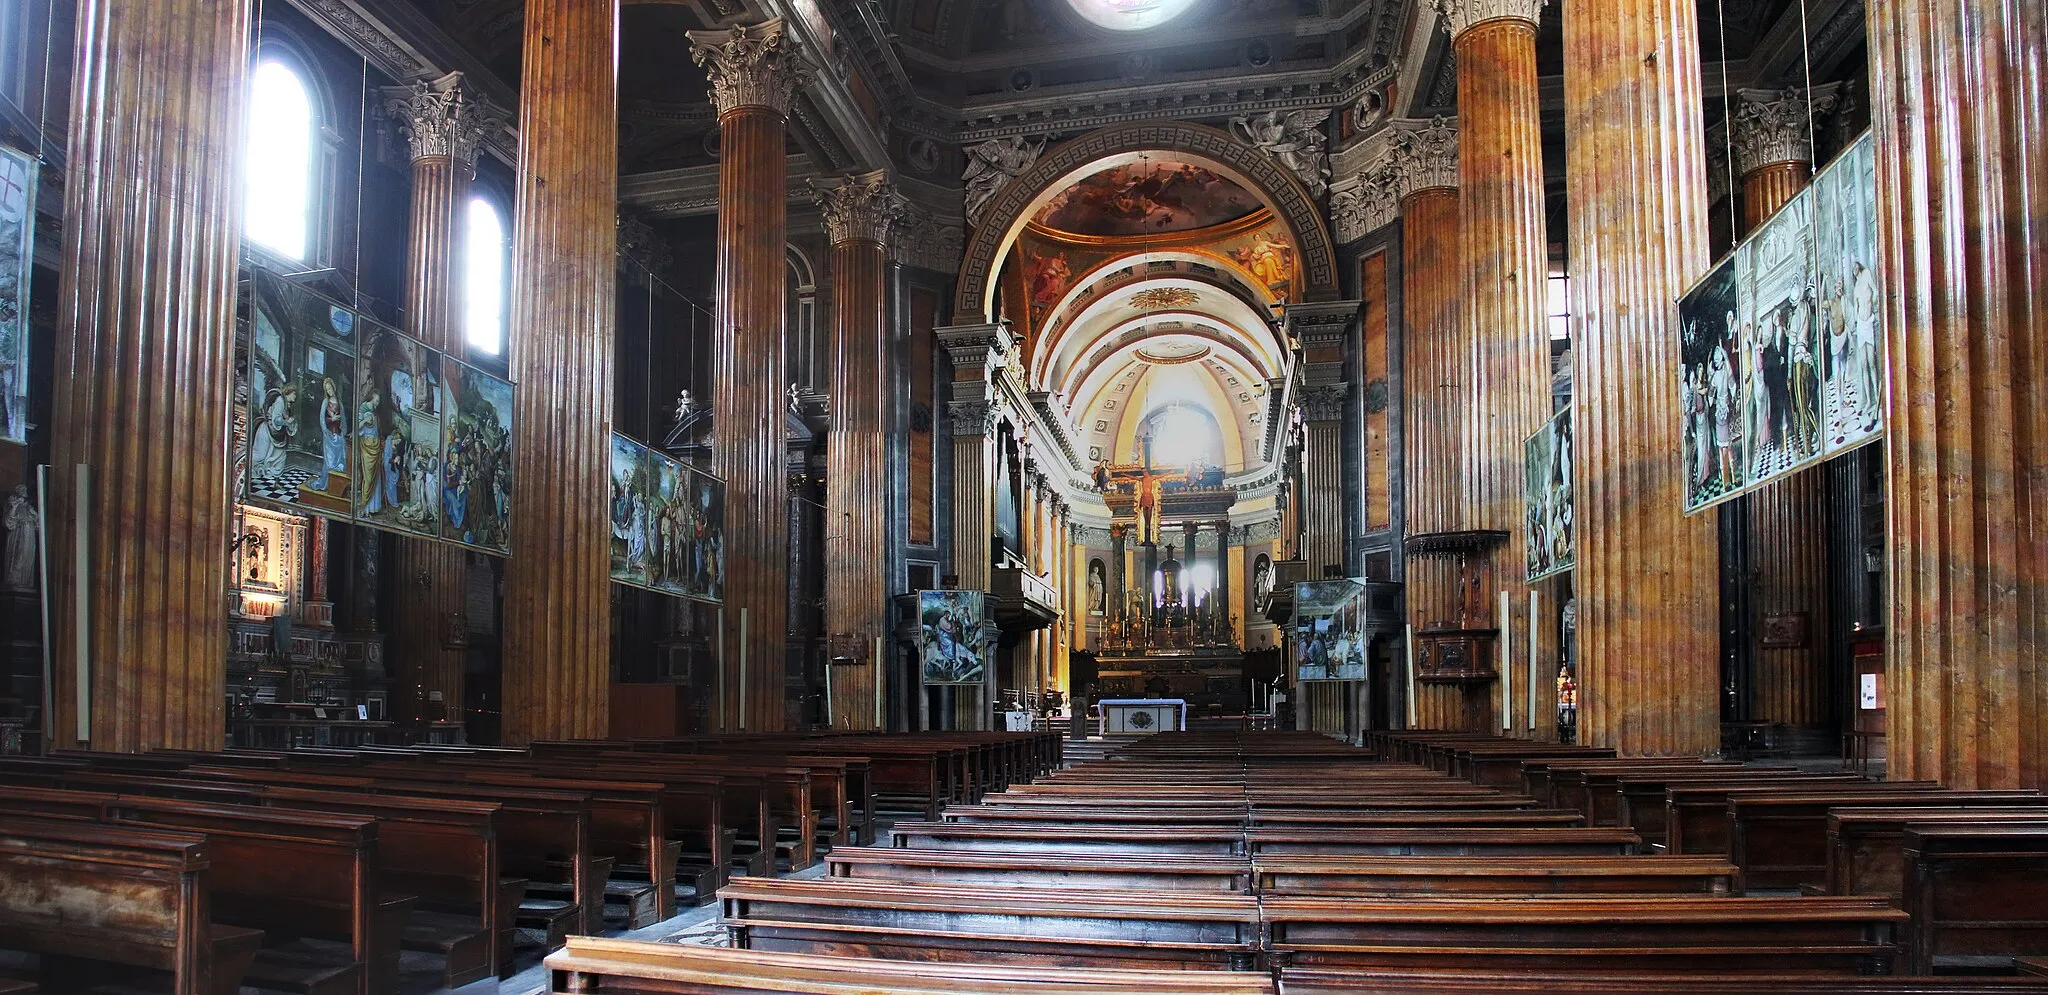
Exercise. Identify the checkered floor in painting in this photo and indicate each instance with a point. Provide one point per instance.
(1847, 418)
(284, 488)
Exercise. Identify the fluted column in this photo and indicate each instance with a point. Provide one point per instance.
(1645, 576)
(1962, 173)
(859, 213)
(1423, 173)
(1118, 571)
(557, 674)
(143, 372)
(1506, 265)
(1221, 603)
(1785, 538)
(1324, 330)
(445, 125)
(755, 74)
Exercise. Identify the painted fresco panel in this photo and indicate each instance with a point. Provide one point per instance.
(476, 475)
(1781, 354)
(1710, 372)
(398, 435)
(1329, 630)
(1851, 303)
(954, 640)
(300, 378)
(17, 266)
(1547, 532)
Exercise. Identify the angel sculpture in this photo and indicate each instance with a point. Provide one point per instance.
(1295, 138)
(992, 164)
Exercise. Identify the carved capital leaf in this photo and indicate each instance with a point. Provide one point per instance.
(751, 66)
(442, 118)
(1774, 126)
(1461, 14)
(859, 208)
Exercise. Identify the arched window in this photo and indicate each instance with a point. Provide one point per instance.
(283, 136)
(483, 278)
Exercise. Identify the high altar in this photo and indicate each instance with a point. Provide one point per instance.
(1165, 637)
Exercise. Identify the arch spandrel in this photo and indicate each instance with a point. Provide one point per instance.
(1010, 208)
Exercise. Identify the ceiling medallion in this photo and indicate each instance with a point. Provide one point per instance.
(1162, 298)
(1170, 352)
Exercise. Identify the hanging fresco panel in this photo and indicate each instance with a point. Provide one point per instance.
(1547, 535)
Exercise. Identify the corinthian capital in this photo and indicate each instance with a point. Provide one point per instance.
(442, 118)
(751, 66)
(859, 208)
(1461, 14)
(1774, 126)
(1423, 155)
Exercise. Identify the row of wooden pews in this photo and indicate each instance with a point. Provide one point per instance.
(1203, 860)
(313, 870)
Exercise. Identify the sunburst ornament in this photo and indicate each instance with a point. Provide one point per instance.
(1164, 298)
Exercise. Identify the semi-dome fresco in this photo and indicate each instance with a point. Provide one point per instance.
(1148, 197)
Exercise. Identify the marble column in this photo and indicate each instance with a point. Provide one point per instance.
(1962, 167)
(144, 374)
(976, 354)
(1221, 601)
(1785, 538)
(557, 628)
(1646, 575)
(445, 125)
(1506, 265)
(1420, 172)
(859, 213)
(755, 74)
(1324, 329)
(1119, 570)
(1025, 670)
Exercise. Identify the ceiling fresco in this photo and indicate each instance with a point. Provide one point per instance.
(1148, 197)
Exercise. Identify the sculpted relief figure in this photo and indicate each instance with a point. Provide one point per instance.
(992, 164)
(1295, 138)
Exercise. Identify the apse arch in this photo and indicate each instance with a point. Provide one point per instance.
(1007, 212)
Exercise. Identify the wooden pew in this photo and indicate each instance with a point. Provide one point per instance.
(1180, 930)
(77, 890)
(1696, 815)
(1638, 799)
(1867, 846)
(1321, 981)
(1781, 840)
(1978, 895)
(1635, 934)
(1190, 841)
(1487, 841)
(626, 967)
(1041, 870)
(1482, 876)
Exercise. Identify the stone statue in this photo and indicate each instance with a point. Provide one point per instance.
(686, 405)
(992, 164)
(21, 541)
(1295, 138)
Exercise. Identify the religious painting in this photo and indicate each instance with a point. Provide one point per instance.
(1262, 583)
(1711, 388)
(687, 552)
(1851, 305)
(1781, 354)
(398, 433)
(1547, 530)
(1270, 260)
(1046, 277)
(631, 493)
(1329, 630)
(297, 387)
(476, 470)
(17, 266)
(1151, 196)
(954, 640)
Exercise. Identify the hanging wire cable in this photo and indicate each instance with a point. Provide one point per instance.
(1727, 123)
(43, 92)
(362, 143)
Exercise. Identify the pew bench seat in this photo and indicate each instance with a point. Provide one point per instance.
(1064, 927)
(978, 868)
(1321, 981)
(627, 967)
(1476, 876)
